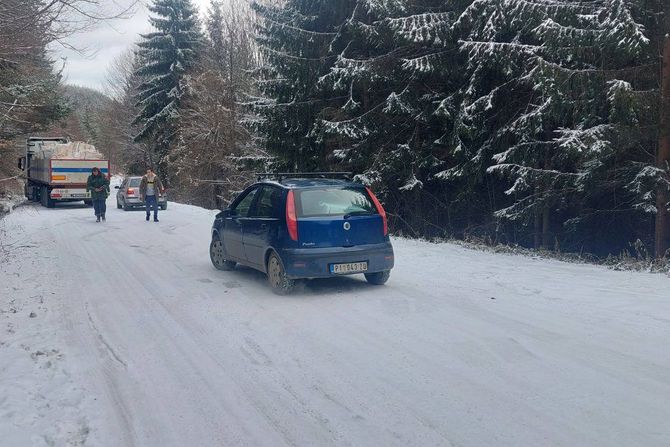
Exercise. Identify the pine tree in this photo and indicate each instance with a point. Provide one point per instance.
(165, 59)
(397, 70)
(295, 41)
(662, 223)
(559, 96)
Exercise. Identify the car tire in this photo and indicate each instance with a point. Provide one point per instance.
(125, 206)
(378, 278)
(118, 205)
(279, 282)
(216, 255)
(164, 207)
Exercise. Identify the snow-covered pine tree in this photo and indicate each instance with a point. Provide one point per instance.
(165, 59)
(661, 41)
(366, 75)
(295, 39)
(561, 96)
(397, 69)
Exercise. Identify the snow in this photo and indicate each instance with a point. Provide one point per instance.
(9, 201)
(122, 334)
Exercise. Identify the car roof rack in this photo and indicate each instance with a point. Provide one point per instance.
(279, 176)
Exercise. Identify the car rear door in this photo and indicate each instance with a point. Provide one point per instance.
(234, 224)
(262, 225)
(338, 217)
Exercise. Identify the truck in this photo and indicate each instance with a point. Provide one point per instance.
(56, 170)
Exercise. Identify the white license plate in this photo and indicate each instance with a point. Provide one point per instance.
(350, 267)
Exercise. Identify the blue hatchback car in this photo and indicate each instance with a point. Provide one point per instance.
(296, 227)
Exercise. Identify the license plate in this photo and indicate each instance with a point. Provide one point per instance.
(78, 195)
(350, 267)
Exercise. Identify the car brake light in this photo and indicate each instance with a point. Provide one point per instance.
(131, 192)
(291, 218)
(380, 210)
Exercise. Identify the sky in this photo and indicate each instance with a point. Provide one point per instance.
(103, 43)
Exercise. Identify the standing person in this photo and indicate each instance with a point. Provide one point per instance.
(98, 186)
(150, 188)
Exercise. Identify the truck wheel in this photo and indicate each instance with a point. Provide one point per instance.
(378, 278)
(44, 194)
(280, 283)
(217, 256)
(46, 198)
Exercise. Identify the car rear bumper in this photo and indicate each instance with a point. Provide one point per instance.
(315, 262)
(134, 201)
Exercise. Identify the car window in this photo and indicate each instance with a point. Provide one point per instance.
(269, 203)
(334, 202)
(135, 182)
(243, 206)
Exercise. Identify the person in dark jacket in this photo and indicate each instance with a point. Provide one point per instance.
(150, 189)
(98, 186)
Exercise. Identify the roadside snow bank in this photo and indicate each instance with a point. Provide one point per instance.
(9, 201)
(42, 402)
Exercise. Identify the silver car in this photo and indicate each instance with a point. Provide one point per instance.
(128, 195)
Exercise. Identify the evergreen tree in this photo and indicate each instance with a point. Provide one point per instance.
(295, 40)
(398, 69)
(559, 97)
(165, 59)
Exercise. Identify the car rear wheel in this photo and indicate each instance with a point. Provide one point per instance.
(217, 256)
(164, 206)
(125, 206)
(378, 278)
(280, 283)
(118, 205)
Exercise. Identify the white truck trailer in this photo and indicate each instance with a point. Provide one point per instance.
(57, 170)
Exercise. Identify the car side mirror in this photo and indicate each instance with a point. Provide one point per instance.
(229, 212)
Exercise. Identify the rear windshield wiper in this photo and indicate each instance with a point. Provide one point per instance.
(358, 213)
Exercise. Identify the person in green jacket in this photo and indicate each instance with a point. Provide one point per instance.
(98, 185)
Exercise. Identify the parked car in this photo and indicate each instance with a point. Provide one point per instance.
(128, 195)
(299, 227)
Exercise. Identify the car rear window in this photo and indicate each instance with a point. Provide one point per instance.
(134, 182)
(333, 202)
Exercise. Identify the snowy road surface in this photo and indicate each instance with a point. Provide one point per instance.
(122, 334)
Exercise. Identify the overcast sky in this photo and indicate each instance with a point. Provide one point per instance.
(104, 43)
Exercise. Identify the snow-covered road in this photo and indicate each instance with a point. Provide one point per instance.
(122, 334)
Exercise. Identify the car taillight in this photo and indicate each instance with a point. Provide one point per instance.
(291, 218)
(380, 210)
(131, 192)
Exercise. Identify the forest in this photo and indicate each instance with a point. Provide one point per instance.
(539, 123)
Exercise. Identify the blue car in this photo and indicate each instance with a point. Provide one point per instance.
(297, 228)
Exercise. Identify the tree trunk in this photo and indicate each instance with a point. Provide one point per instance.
(546, 227)
(662, 236)
(537, 229)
